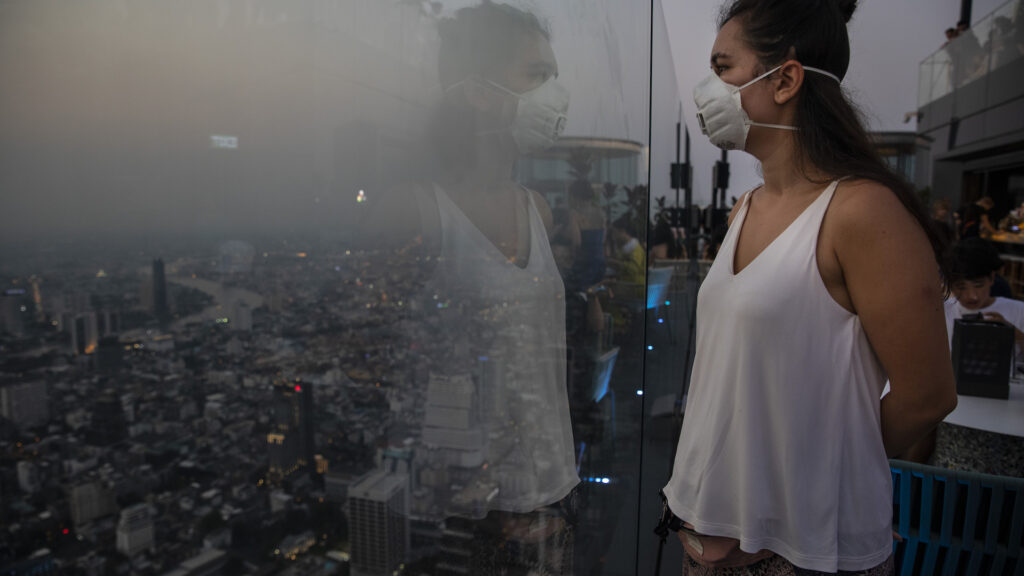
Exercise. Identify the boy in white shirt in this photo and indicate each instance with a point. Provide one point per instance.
(973, 266)
(973, 263)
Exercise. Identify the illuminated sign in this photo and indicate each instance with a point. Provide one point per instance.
(220, 141)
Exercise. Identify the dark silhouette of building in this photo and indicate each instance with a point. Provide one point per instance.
(108, 422)
(291, 441)
(110, 355)
(160, 309)
(84, 333)
(15, 312)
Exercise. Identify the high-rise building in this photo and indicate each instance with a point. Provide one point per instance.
(25, 404)
(160, 308)
(28, 477)
(90, 501)
(85, 333)
(379, 523)
(110, 355)
(16, 312)
(291, 441)
(135, 530)
(108, 422)
(108, 322)
(241, 317)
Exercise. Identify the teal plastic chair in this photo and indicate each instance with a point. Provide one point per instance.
(956, 523)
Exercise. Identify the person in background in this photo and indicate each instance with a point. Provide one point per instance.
(968, 63)
(1000, 45)
(973, 264)
(977, 219)
(950, 35)
(586, 234)
(629, 256)
(941, 218)
(975, 288)
(668, 237)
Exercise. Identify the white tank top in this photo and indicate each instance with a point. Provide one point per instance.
(497, 412)
(781, 445)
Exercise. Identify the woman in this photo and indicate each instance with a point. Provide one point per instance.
(827, 281)
(497, 454)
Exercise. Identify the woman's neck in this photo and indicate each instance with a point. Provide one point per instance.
(492, 171)
(785, 174)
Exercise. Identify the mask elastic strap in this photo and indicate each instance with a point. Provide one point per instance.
(490, 83)
(762, 76)
(824, 73)
(779, 126)
(810, 68)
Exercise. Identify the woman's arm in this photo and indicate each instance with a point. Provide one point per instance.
(893, 282)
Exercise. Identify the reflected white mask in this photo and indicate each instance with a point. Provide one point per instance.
(540, 115)
(720, 112)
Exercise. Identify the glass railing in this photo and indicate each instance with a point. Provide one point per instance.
(991, 43)
(329, 285)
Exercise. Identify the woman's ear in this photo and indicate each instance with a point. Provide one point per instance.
(789, 79)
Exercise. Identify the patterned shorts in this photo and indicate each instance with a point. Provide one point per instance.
(777, 566)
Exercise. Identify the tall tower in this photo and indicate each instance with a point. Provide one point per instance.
(108, 421)
(160, 292)
(84, 334)
(291, 441)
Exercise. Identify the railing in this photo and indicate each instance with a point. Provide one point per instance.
(993, 42)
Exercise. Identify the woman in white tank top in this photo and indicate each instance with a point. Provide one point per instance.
(496, 456)
(828, 282)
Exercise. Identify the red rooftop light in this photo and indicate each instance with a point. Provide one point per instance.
(298, 388)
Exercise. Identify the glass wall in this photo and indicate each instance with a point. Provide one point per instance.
(337, 286)
(991, 43)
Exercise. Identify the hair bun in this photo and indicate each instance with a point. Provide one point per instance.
(847, 8)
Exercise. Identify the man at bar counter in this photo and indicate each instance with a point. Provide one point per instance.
(973, 266)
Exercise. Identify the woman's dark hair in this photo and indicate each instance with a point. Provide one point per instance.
(475, 41)
(972, 258)
(831, 133)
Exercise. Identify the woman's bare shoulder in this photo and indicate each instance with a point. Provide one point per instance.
(861, 202)
(866, 215)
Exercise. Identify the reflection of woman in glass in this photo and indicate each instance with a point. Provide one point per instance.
(827, 282)
(497, 442)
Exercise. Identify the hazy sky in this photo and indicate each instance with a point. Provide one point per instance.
(889, 39)
(110, 110)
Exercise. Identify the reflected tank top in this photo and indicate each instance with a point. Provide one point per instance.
(497, 426)
(781, 445)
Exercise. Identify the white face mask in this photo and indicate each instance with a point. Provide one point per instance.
(720, 112)
(540, 115)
